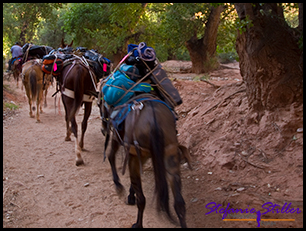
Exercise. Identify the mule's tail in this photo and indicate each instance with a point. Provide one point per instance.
(33, 87)
(157, 148)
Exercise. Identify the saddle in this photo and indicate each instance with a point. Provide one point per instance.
(144, 58)
(36, 51)
(57, 60)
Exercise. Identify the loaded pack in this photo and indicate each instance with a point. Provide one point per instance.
(141, 73)
(137, 74)
(31, 51)
(55, 61)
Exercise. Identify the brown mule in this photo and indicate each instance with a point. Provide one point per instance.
(149, 131)
(17, 69)
(77, 85)
(32, 79)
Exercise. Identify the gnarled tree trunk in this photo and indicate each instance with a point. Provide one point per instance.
(203, 49)
(271, 62)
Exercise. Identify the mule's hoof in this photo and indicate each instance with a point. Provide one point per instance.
(37, 121)
(119, 189)
(137, 226)
(131, 200)
(79, 162)
(67, 139)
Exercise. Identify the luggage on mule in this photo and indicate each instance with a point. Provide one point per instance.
(144, 58)
(166, 90)
(119, 87)
(100, 64)
(52, 64)
(30, 50)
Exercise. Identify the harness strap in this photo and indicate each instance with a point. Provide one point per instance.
(70, 94)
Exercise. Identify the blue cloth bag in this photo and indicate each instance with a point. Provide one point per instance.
(143, 51)
(116, 86)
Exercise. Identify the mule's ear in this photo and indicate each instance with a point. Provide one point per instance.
(70, 44)
(62, 43)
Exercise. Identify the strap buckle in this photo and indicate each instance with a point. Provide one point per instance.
(137, 106)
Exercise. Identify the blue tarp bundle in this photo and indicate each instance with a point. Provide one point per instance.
(117, 85)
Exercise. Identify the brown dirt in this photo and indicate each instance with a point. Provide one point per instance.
(236, 159)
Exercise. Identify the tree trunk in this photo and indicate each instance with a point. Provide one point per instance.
(23, 33)
(202, 51)
(271, 62)
(197, 53)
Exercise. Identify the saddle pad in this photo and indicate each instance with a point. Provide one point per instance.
(119, 115)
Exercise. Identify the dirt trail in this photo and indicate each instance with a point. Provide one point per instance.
(42, 187)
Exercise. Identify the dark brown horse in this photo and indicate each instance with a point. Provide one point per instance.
(16, 69)
(149, 131)
(78, 86)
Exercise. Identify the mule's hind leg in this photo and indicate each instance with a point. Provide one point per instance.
(29, 100)
(131, 197)
(172, 164)
(112, 161)
(38, 102)
(84, 122)
(77, 148)
(67, 110)
(136, 184)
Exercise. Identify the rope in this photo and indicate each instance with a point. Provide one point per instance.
(160, 88)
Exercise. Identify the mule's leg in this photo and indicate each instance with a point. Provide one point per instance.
(112, 161)
(17, 78)
(136, 184)
(28, 93)
(131, 197)
(77, 148)
(172, 163)
(21, 82)
(87, 112)
(67, 110)
(46, 92)
(39, 101)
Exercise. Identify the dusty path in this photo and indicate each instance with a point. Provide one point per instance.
(44, 188)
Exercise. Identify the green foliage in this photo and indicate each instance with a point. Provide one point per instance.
(227, 34)
(243, 25)
(107, 26)
(20, 21)
(291, 14)
(10, 106)
(50, 30)
(180, 21)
